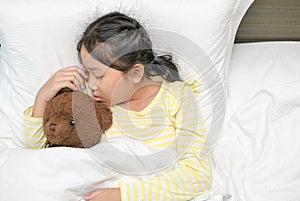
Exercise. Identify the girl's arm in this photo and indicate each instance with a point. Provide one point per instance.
(33, 129)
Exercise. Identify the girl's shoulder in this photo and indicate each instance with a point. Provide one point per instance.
(174, 93)
(187, 86)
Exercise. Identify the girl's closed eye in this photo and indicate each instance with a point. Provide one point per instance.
(86, 72)
(96, 73)
(93, 75)
(99, 77)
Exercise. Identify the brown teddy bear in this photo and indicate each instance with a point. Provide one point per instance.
(73, 119)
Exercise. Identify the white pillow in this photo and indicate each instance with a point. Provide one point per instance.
(258, 66)
(37, 38)
(40, 36)
(201, 35)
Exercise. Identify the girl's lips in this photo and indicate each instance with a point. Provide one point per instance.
(97, 98)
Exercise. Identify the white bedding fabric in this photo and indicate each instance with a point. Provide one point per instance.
(36, 43)
(63, 173)
(257, 158)
(68, 174)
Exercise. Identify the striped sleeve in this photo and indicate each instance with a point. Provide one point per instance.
(192, 174)
(33, 130)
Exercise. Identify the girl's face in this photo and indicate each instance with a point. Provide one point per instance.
(108, 85)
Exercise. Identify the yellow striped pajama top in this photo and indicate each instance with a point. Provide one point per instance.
(171, 119)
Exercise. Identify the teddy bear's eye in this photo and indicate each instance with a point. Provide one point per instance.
(72, 122)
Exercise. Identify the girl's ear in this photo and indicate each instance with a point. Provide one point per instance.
(136, 73)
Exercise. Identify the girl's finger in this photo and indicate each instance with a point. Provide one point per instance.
(76, 69)
(83, 73)
(92, 195)
(87, 197)
(75, 78)
(81, 80)
(70, 80)
(69, 68)
(69, 85)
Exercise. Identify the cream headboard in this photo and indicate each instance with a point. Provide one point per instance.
(270, 20)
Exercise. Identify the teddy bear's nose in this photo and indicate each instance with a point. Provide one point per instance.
(52, 127)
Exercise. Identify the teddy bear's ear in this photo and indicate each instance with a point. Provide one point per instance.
(86, 120)
(104, 116)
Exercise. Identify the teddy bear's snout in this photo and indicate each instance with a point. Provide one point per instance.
(52, 127)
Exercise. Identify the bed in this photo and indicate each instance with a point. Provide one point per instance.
(252, 121)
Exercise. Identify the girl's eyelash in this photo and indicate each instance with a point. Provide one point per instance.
(99, 77)
(93, 74)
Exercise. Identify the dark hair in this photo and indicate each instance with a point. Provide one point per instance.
(120, 42)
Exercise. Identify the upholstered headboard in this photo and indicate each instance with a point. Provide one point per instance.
(270, 20)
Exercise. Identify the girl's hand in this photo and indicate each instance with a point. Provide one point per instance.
(107, 194)
(71, 77)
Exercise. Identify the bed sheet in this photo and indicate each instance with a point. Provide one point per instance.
(258, 156)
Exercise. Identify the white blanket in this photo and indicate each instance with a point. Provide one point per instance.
(68, 173)
(258, 156)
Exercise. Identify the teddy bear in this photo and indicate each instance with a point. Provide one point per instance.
(74, 119)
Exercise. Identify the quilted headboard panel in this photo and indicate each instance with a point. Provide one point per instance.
(270, 20)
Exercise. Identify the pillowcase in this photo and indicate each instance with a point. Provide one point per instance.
(200, 36)
(37, 38)
(40, 37)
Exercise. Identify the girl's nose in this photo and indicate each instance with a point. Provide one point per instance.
(92, 83)
(93, 87)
